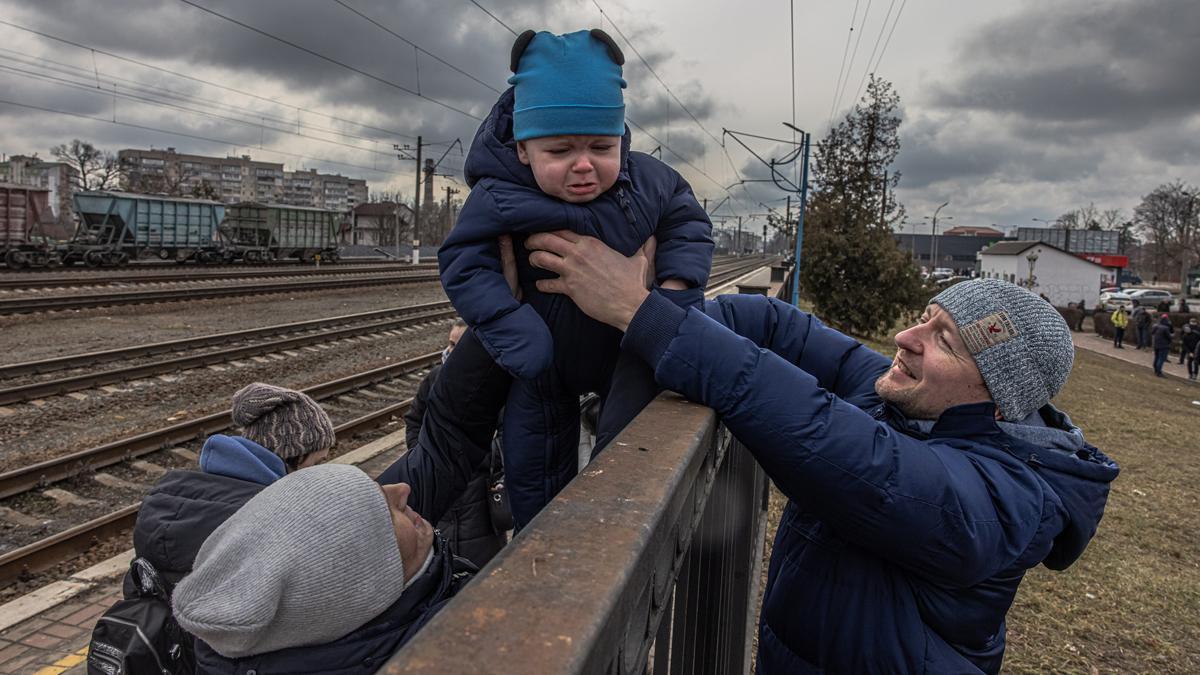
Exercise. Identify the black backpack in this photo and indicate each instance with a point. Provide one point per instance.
(138, 634)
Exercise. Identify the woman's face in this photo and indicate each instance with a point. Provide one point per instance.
(414, 535)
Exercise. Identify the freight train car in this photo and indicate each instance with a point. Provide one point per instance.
(115, 227)
(254, 231)
(24, 211)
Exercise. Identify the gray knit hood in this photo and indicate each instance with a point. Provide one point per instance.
(306, 561)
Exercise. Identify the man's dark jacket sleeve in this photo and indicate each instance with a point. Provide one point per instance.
(793, 402)
(415, 417)
(460, 421)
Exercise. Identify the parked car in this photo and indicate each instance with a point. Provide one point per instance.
(1150, 297)
(1113, 298)
(950, 281)
(941, 273)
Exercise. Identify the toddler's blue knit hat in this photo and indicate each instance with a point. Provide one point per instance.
(567, 84)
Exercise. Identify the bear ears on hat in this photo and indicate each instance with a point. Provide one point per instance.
(525, 38)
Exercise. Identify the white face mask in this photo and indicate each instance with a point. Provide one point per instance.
(445, 354)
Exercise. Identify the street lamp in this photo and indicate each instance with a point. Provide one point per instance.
(933, 238)
(1032, 258)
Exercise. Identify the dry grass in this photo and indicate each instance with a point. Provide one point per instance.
(1132, 602)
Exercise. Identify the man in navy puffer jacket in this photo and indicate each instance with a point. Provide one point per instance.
(554, 153)
(919, 489)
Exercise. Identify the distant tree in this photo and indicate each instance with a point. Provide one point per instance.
(1083, 218)
(851, 268)
(1169, 217)
(169, 183)
(96, 169)
(1111, 219)
(206, 190)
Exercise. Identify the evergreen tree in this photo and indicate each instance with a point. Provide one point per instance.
(855, 275)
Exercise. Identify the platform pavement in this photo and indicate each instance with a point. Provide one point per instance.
(47, 632)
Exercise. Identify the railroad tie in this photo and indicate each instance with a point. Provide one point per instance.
(17, 518)
(148, 468)
(185, 454)
(68, 498)
(109, 480)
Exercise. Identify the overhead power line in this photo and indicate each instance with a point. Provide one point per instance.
(90, 75)
(209, 83)
(417, 47)
(258, 124)
(837, 101)
(494, 17)
(845, 53)
(332, 60)
(879, 38)
(197, 137)
(889, 38)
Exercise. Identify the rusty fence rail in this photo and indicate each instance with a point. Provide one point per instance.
(648, 562)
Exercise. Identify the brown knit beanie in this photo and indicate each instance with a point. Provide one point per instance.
(284, 421)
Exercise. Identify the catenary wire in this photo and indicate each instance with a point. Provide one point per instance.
(143, 64)
(853, 55)
(175, 106)
(845, 53)
(198, 137)
(414, 45)
(878, 39)
(332, 60)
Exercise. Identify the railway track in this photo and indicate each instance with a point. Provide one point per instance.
(358, 403)
(246, 346)
(171, 264)
(43, 303)
(53, 549)
(22, 282)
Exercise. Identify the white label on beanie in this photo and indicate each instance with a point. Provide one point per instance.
(989, 331)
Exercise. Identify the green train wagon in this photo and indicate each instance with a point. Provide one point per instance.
(116, 227)
(255, 231)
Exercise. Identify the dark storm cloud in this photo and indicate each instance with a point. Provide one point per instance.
(184, 38)
(1125, 63)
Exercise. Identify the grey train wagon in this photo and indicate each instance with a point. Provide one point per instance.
(255, 232)
(115, 227)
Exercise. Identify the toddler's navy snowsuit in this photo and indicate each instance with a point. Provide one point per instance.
(554, 350)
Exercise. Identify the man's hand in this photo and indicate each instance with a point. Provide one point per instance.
(508, 263)
(606, 285)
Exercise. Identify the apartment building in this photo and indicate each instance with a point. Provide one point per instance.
(238, 179)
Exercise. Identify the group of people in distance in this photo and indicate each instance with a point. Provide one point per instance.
(920, 488)
(1158, 335)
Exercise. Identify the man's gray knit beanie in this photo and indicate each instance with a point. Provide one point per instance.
(1021, 344)
(306, 561)
(286, 422)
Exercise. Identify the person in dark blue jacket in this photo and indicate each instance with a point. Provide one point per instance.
(920, 489)
(555, 152)
(185, 506)
(327, 571)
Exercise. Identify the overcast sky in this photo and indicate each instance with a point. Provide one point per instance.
(1012, 110)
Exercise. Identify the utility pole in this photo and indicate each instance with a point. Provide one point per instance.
(933, 238)
(806, 138)
(449, 216)
(738, 241)
(405, 153)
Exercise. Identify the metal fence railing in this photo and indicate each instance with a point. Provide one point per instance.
(648, 562)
